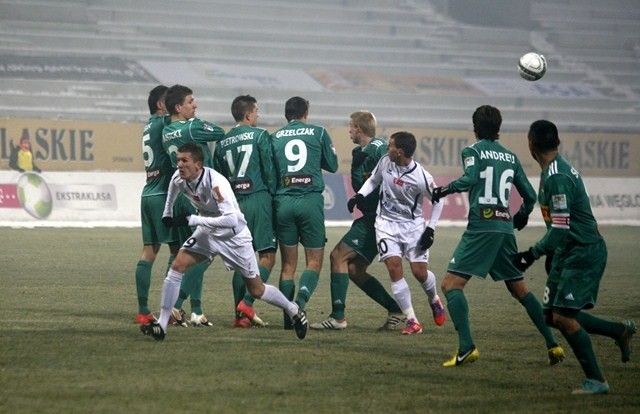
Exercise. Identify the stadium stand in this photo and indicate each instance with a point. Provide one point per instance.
(410, 62)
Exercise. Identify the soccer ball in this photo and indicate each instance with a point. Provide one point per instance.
(532, 66)
(34, 195)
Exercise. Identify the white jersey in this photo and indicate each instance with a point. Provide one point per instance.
(212, 196)
(402, 191)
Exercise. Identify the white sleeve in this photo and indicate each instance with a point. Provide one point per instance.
(372, 182)
(226, 221)
(171, 196)
(436, 208)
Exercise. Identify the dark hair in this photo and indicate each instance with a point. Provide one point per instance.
(194, 149)
(543, 135)
(241, 105)
(296, 108)
(486, 122)
(405, 141)
(156, 94)
(175, 95)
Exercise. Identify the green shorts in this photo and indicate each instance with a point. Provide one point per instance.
(361, 237)
(479, 254)
(153, 231)
(300, 219)
(575, 276)
(258, 211)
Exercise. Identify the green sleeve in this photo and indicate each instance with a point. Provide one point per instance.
(555, 236)
(525, 189)
(266, 161)
(470, 176)
(204, 132)
(329, 156)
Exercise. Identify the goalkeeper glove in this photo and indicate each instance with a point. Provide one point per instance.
(426, 240)
(358, 157)
(520, 220)
(355, 201)
(524, 260)
(438, 193)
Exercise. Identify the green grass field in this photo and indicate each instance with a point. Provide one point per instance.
(69, 343)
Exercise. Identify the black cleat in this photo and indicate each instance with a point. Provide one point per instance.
(300, 323)
(154, 330)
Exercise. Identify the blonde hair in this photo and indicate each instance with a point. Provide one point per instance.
(366, 121)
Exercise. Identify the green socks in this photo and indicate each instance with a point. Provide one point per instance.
(459, 313)
(534, 310)
(339, 286)
(594, 325)
(374, 289)
(583, 349)
(143, 283)
(308, 284)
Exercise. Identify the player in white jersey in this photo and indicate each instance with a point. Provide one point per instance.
(220, 230)
(400, 224)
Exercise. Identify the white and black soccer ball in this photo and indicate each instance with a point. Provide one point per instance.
(532, 66)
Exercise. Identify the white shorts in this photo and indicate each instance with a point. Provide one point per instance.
(400, 239)
(236, 252)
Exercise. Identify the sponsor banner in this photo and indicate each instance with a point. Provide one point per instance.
(107, 69)
(113, 199)
(232, 76)
(351, 80)
(75, 145)
(516, 87)
(110, 146)
(52, 197)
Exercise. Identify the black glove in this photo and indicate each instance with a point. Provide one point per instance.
(438, 193)
(524, 260)
(547, 263)
(426, 240)
(179, 221)
(520, 220)
(358, 157)
(167, 221)
(355, 201)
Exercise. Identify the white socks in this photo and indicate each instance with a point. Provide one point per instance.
(402, 295)
(274, 297)
(429, 286)
(170, 292)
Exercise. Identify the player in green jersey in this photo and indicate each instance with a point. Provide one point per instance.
(488, 243)
(579, 258)
(300, 152)
(183, 127)
(357, 249)
(243, 156)
(154, 195)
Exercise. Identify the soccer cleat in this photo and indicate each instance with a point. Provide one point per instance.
(555, 355)
(178, 318)
(241, 322)
(154, 330)
(439, 314)
(199, 320)
(394, 320)
(412, 327)
(300, 323)
(624, 342)
(330, 323)
(460, 359)
(288, 322)
(591, 387)
(143, 319)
